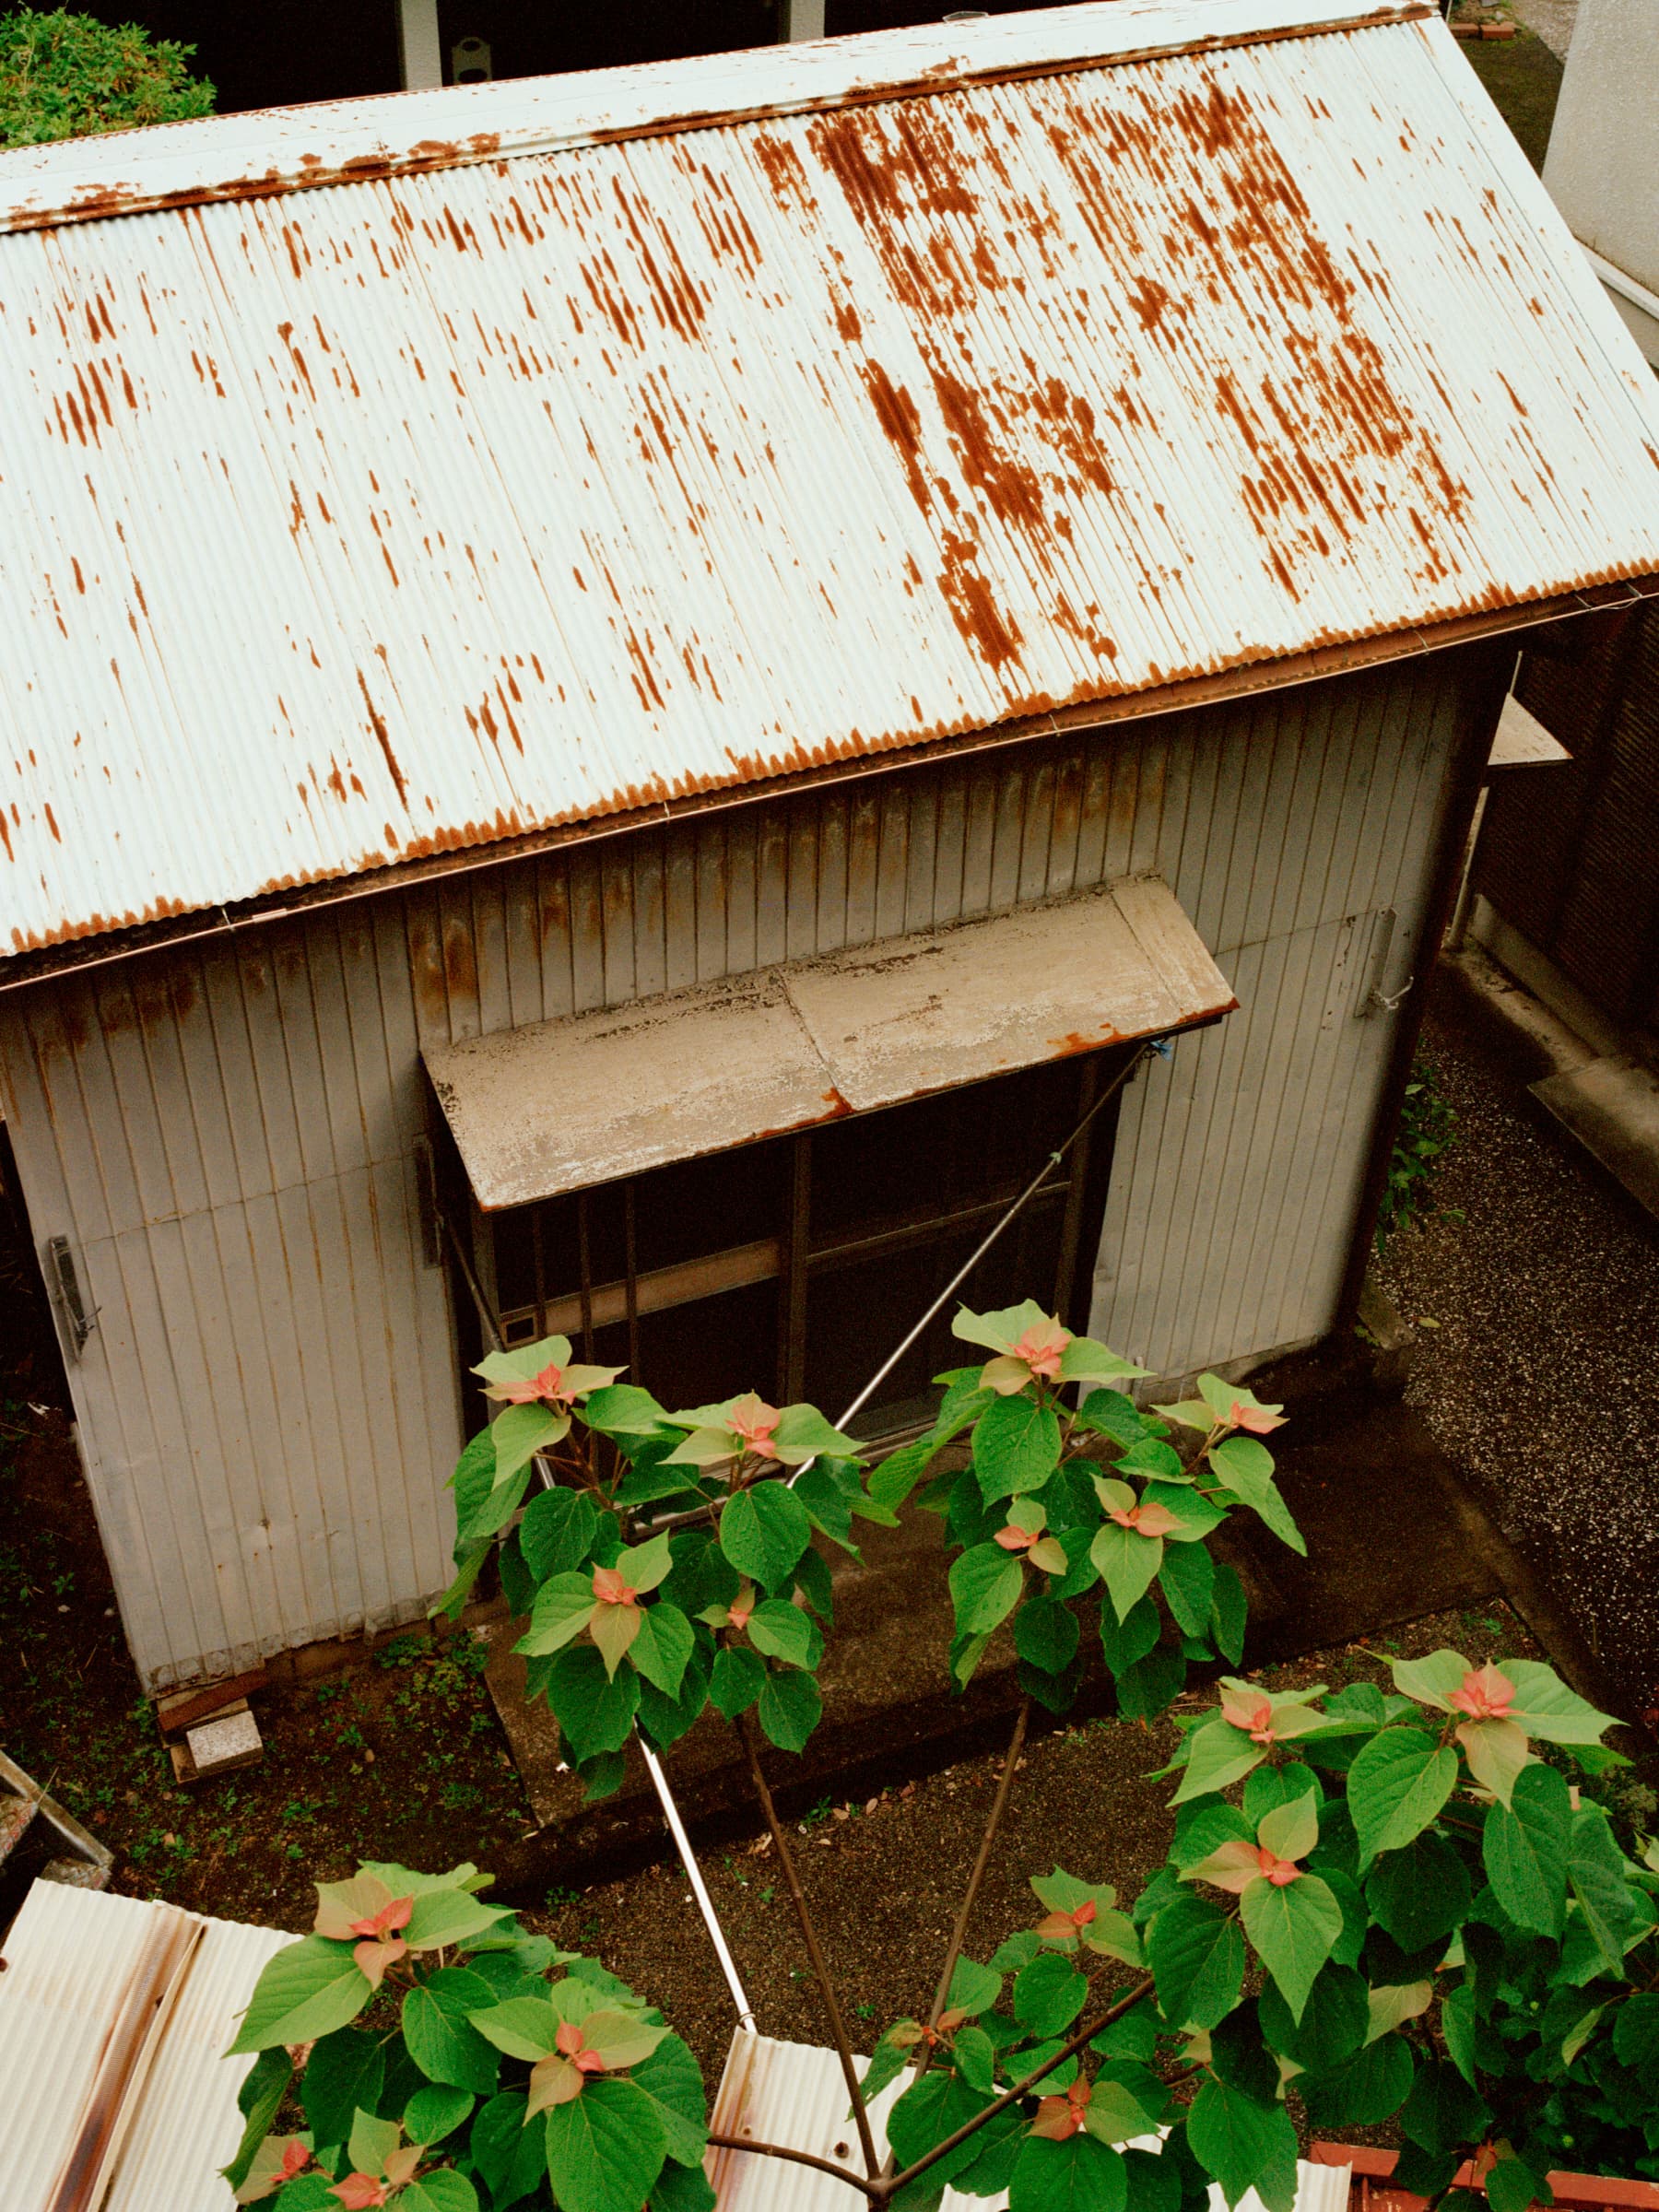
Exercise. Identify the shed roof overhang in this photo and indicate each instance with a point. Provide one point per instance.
(564, 1105)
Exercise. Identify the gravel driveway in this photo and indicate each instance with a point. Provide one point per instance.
(1541, 1379)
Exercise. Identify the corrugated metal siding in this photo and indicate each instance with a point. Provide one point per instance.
(539, 488)
(71, 1955)
(1239, 1161)
(792, 2094)
(268, 1405)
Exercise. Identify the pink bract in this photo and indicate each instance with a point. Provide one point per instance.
(1487, 1694)
(1042, 1347)
(1255, 1718)
(388, 1919)
(755, 1421)
(1016, 1539)
(1281, 1873)
(357, 2192)
(1255, 1419)
(609, 1588)
(530, 1390)
(1145, 1520)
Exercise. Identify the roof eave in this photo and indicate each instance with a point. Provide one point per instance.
(74, 954)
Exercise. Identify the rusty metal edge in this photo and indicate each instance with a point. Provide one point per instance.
(425, 158)
(74, 954)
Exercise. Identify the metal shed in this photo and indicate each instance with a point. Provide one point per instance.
(477, 561)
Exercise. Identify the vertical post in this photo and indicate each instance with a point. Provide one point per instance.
(419, 51)
(792, 1287)
(799, 19)
(1071, 1232)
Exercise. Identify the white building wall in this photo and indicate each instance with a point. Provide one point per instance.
(269, 1402)
(1603, 154)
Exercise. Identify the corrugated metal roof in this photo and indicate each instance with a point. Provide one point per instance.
(658, 452)
(793, 2094)
(555, 1106)
(78, 1963)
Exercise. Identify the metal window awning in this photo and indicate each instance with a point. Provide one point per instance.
(566, 1105)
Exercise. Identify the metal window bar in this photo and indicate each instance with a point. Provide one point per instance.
(544, 1473)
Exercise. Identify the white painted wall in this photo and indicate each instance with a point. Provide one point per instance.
(268, 1403)
(1602, 169)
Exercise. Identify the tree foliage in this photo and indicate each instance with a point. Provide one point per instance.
(65, 76)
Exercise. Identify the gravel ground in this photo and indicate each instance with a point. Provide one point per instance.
(1538, 1375)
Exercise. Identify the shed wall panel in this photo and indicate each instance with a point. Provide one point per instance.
(268, 1403)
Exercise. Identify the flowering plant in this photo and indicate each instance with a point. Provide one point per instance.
(1383, 1906)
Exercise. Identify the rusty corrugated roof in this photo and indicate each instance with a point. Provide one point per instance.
(389, 478)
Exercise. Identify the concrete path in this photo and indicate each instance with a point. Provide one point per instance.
(1552, 20)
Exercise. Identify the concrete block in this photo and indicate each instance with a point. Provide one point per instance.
(1612, 1108)
(220, 1745)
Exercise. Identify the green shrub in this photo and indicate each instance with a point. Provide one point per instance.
(71, 76)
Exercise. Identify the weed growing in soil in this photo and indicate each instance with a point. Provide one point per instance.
(1427, 1127)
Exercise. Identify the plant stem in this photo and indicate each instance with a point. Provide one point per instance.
(970, 1896)
(1069, 2048)
(820, 1968)
(796, 2158)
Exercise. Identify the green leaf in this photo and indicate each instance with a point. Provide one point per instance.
(1293, 1929)
(673, 2080)
(985, 1583)
(930, 2109)
(1128, 1562)
(304, 1992)
(523, 2027)
(1241, 2142)
(441, 1917)
(1227, 1612)
(663, 1646)
(1636, 2038)
(594, 1710)
(373, 2141)
(1525, 1845)
(973, 2054)
(763, 1532)
(1443, 2113)
(511, 2157)
(1016, 1447)
(1596, 1870)
(1397, 1785)
(1046, 1634)
(783, 1632)
(520, 1433)
(1333, 2024)
(1512, 2186)
(1246, 1467)
(737, 1681)
(1365, 2089)
(1546, 1708)
(605, 2147)
(1078, 2175)
(1217, 1756)
(483, 1506)
(888, 2060)
(682, 2189)
(441, 2190)
(1127, 1642)
(1049, 1995)
(563, 1607)
(1195, 1949)
(1152, 1682)
(345, 2070)
(622, 1410)
(558, 1531)
(1188, 1580)
(1420, 1892)
(803, 1433)
(438, 2029)
(259, 2101)
(436, 2112)
(789, 1709)
(973, 1988)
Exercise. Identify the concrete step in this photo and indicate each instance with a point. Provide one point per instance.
(1612, 1109)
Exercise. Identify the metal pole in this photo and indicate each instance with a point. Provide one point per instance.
(705, 1904)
